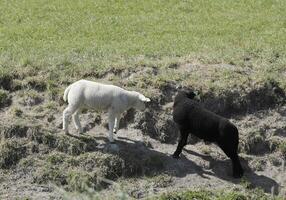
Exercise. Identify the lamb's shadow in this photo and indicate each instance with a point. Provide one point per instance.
(223, 170)
(142, 160)
(148, 161)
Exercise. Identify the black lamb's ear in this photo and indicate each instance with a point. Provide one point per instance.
(198, 95)
(191, 94)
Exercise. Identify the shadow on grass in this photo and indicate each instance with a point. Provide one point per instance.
(223, 170)
(141, 160)
(149, 162)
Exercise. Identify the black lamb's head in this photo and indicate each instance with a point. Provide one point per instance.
(186, 92)
(189, 93)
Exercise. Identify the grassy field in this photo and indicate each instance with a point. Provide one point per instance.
(82, 38)
(99, 34)
(232, 52)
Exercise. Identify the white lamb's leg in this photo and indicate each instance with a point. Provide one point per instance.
(116, 126)
(111, 121)
(66, 114)
(77, 122)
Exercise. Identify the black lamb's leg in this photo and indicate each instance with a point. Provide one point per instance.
(231, 152)
(236, 167)
(181, 144)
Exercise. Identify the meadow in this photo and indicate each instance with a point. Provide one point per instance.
(99, 35)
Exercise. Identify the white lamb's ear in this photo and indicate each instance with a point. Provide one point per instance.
(147, 99)
(144, 99)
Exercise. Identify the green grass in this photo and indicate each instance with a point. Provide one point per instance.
(47, 44)
(216, 195)
(182, 195)
(99, 34)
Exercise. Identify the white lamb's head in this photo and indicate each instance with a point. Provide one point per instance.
(140, 101)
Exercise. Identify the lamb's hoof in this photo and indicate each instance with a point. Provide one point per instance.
(114, 131)
(237, 171)
(175, 156)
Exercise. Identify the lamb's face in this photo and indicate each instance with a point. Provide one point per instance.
(190, 94)
(140, 103)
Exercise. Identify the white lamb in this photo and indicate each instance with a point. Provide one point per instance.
(99, 96)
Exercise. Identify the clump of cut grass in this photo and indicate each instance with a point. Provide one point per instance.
(36, 83)
(17, 112)
(258, 164)
(162, 180)
(282, 149)
(54, 91)
(11, 151)
(51, 105)
(14, 131)
(51, 173)
(63, 143)
(31, 98)
(56, 158)
(275, 142)
(5, 99)
(255, 143)
(89, 193)
(79, 173)
(81, 181)
(17, 85)
(108, 165)
(6, 80)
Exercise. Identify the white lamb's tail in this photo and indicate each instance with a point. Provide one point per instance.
(66, 93)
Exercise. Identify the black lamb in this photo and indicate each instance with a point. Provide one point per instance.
(192, 118)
